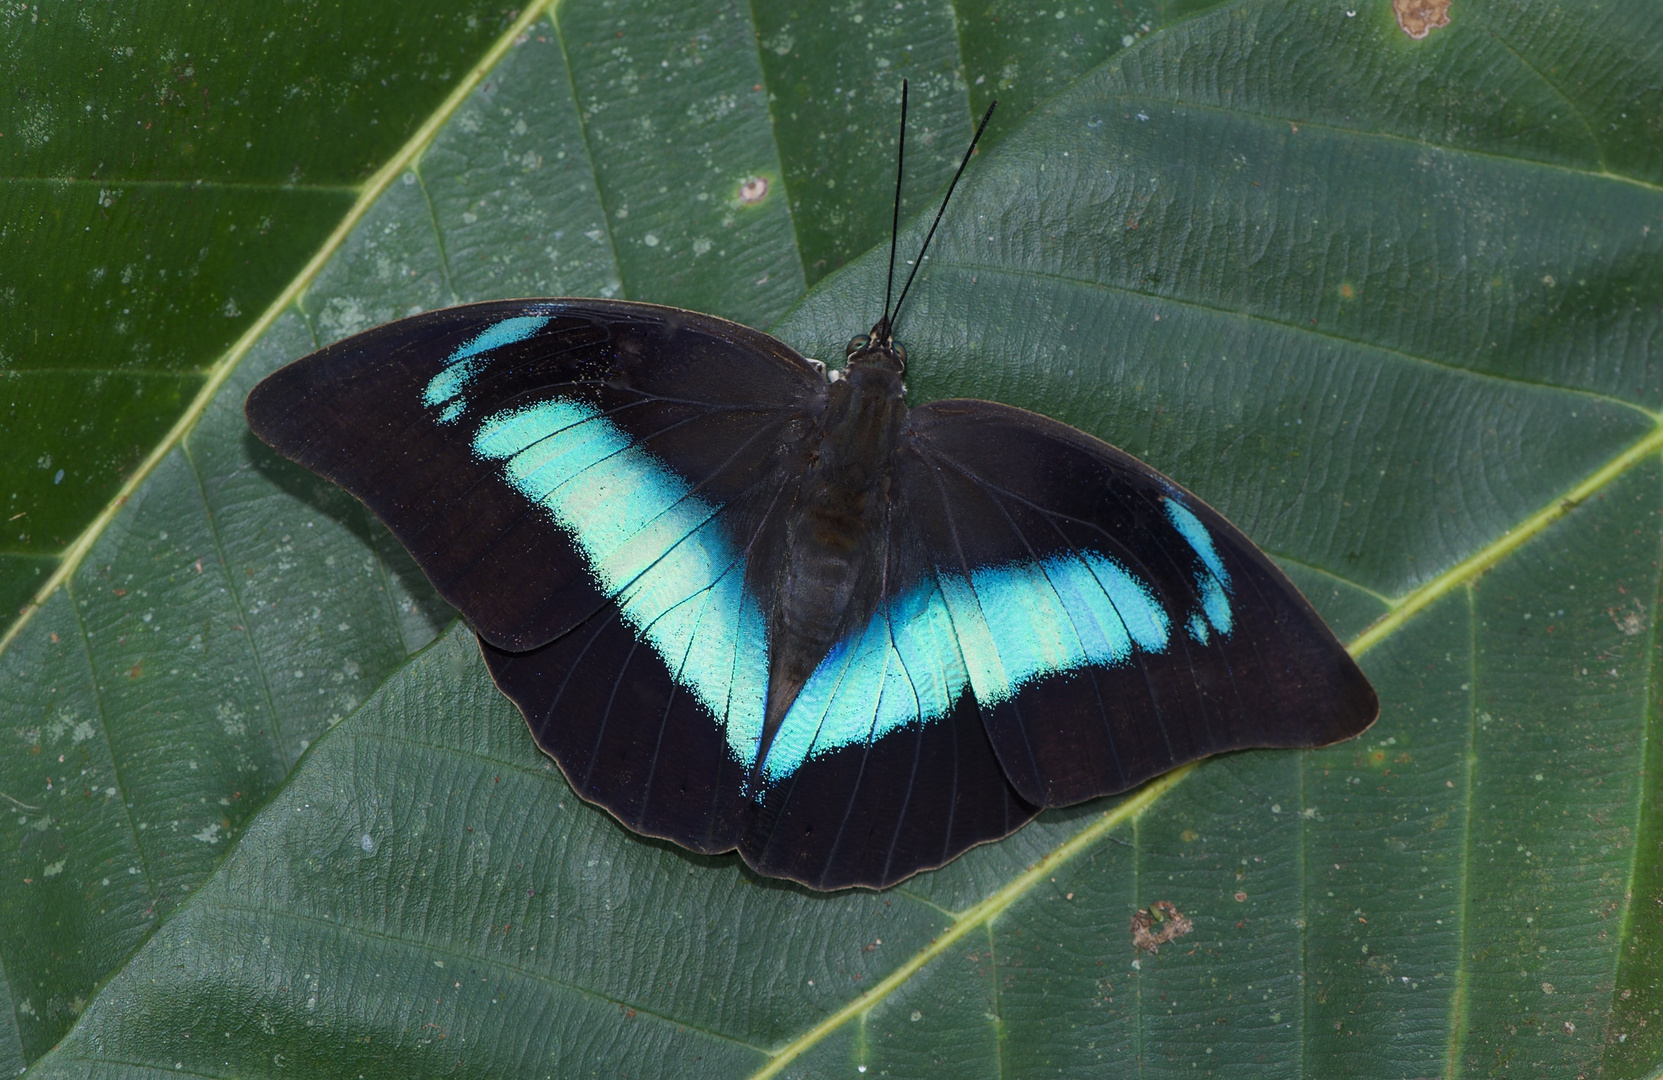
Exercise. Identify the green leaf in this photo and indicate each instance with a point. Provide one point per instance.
(1388, 303)
(167, 172)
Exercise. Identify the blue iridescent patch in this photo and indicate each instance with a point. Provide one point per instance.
(446, 388)
(655, 548)
(994, 633)
(1212, 580)
(660, 553)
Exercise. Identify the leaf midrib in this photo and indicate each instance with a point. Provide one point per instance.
(1490, 555)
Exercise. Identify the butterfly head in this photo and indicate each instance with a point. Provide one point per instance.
(877, 349)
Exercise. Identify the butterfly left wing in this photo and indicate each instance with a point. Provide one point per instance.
(1111, 625)
(444, 424)
(584, 480)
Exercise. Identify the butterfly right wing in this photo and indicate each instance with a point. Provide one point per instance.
(1113, 625)
(1059, 621)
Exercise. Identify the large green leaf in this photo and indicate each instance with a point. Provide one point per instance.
(1389, 303)
(164, 172)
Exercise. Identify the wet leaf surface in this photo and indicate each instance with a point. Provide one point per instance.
(1386, 302)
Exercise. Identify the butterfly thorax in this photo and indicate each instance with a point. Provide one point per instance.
(831, 577)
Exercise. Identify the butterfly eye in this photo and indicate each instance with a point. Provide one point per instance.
(901, 351)
(857, 343)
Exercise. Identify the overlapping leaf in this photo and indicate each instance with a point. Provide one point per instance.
(1388, 303)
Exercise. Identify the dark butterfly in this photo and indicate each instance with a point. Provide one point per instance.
(748, 603)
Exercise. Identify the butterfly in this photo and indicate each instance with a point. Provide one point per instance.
(749, 602)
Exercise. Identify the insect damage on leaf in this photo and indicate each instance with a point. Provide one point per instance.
(1418, 18)
(1171, 921)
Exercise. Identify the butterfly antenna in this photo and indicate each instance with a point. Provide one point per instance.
(895, 225)
(931, 234)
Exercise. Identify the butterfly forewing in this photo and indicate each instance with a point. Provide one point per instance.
(1112, 625)
(469, 431)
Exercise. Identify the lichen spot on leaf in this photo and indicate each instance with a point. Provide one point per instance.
(1417, 18)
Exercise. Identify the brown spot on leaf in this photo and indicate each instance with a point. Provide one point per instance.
(1155, 926)
(1420, 17)
(1629, 623)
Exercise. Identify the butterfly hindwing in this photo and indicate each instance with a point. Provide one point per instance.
(874, 813)
(882, 767)
(653, 704)
(604, 704)
(1111, 624)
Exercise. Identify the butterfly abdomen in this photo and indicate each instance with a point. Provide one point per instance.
(831, 577)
